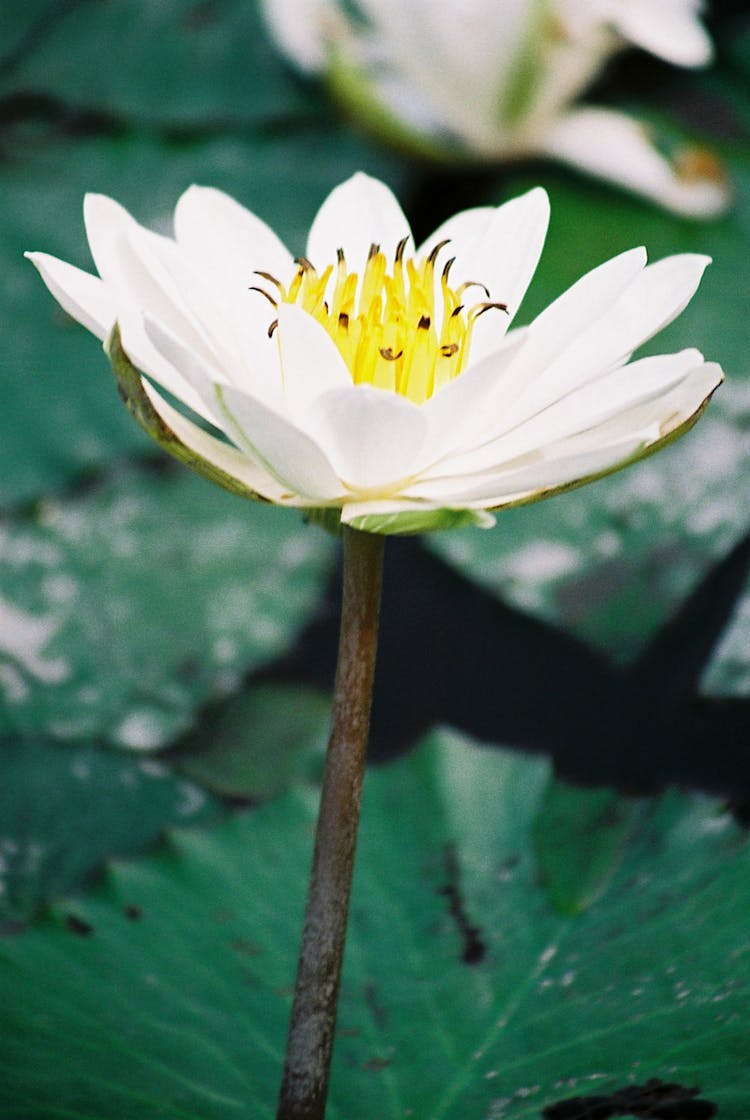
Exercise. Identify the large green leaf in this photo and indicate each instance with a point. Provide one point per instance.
(728, 673)
(61, 412)
(612, 560)
(178, 61)
(66, 808)
(256, 743)
(466, 993)
(127, 607)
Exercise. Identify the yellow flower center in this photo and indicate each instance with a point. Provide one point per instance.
(397, 330)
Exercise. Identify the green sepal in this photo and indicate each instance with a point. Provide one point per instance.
(421, 521)
(136, 400)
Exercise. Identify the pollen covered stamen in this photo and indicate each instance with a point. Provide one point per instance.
(404, 329)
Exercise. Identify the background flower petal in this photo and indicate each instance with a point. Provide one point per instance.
(613, 146)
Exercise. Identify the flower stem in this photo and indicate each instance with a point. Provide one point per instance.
(304, 1086)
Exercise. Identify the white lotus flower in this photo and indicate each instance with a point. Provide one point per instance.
(498, 80)
(375, 382)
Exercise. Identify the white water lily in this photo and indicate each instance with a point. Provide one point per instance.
(498, 80)
(377, 382)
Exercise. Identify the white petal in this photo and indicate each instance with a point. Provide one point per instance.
(550, 333)
(83, 296)
(130, 260)
(146, 357)
(228, 242)
(221, 455)
(356, 214)
(667, 412)
(461, 410)
(88, 300)
(492, 490)
(310, 360)
(581, 305)
(372, 437)
(574, 459)
(287, 453)
(499, 248)
(581, 410)
(465, 229)
(200, 305)
(199, 376)
(615, 147)
(202, 374)
(656, 296)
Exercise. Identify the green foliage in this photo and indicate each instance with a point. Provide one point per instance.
(180, 62)
(164, 993)
(579, 837)
(66, 808)
(128, 606)
(254, 745)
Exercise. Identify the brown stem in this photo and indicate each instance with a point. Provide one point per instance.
(304, 1086)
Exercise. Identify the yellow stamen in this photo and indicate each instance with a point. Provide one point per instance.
(404, 329)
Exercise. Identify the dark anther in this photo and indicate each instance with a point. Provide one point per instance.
(344, 320)
(272, 328)
(457, 310)
(400, 248)
(340, 256)
(475, 284)
(387, 353)
(447, 267)
(440, 245)
(267, 276)
(374, 250)
(424, 323)
(482, 307)
(263, 292)
(449, 350)
(305, 264)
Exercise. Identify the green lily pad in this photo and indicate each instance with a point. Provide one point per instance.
(178, 61)
(257, 742)
(580, 840)
(466, 993)
(65, 808)
(728, 673)
(61, 413)
(126, 608)
(613, 560)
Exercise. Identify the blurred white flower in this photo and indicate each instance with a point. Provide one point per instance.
(378, 382)
(498, 79)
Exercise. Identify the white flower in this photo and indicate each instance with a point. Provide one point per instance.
(498, 79)
(376, 382)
